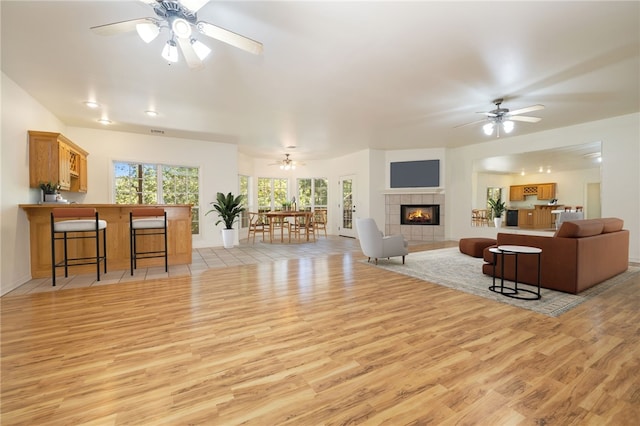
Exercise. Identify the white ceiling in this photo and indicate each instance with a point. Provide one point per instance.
(335, 77)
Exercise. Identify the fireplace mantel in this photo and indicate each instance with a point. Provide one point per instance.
(398, 191)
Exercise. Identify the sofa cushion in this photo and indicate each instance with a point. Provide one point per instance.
(475, 246)
(612, 224)
(580, 228)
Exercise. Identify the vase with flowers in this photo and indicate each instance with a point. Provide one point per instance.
(49, 191)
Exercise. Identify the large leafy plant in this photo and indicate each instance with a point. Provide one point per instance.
(228, 207)
(497, 207)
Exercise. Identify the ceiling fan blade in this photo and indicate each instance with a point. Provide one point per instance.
(230, 37)
(524, 118)
(121, 27)
(193, 5)
(189, 54)
(487, 113)
(472, 123)
(527, 109)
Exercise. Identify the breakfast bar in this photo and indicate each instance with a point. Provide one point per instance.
(117, 217)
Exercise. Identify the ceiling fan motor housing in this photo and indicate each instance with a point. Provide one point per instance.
(172, 10)
(499, 112)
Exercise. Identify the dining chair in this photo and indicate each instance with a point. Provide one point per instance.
(479, 217)
(303, 226)
(258, 224)
(280, 223)
(320, 221)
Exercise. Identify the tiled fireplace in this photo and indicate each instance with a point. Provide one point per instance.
(418, 217)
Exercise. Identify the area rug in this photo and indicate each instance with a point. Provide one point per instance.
(450, 268)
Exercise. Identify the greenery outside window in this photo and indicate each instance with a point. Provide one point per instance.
(243, 189)
(312, 193)
(272, 192)
(140, 183)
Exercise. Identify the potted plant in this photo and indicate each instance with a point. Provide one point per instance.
(50, 191)
(497, 208)
(228, 207)
(286, 205)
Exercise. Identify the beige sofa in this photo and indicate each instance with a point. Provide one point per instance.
(581, 254)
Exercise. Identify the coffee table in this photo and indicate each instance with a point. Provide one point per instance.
(514, 292)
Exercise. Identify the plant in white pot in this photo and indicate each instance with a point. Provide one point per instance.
(228, 207)
(50, 191)
(497, 209)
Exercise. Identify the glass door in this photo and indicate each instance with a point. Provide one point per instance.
(347, 207)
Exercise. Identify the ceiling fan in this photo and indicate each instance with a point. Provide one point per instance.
(287, 163)
(503, 117)
(179, 17)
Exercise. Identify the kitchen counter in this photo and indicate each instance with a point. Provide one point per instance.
(537, 217)
(117, 217)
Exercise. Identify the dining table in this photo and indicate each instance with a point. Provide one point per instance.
(280, 216)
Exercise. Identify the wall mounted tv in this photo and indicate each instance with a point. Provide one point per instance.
(415, 174)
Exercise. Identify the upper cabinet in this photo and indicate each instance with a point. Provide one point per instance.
(544, 191)
(516, 193)
(54, 158)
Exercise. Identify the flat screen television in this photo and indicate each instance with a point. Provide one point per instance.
(415, 174)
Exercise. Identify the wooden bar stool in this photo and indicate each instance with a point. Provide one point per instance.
(80, 223)
(153, 222)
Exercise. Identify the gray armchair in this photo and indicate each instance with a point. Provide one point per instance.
(375, 245)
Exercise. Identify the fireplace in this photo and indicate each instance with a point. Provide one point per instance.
(420, 214)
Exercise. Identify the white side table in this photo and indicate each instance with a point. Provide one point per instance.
(514, 291)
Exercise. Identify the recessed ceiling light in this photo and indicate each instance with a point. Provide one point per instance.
(104, 121)
(92, 104)
(151, 113)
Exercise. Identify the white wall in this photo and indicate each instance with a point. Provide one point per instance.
(20, 112)
(620, 175)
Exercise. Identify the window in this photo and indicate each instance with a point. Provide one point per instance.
(272, 192)
(243, 189)
(139, 183)
(312, 193)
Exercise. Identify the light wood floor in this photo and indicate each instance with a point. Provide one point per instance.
(324, 340)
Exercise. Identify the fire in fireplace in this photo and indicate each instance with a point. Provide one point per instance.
(424, 214)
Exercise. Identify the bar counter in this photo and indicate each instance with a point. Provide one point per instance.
(117, 217)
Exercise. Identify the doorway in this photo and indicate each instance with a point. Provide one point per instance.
(592, 206)
(347, 207)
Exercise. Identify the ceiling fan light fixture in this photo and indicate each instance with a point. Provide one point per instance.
(488, 129)
(201, 49)
(147, 32)
(181, 28)
(508, 126)
(170, 51)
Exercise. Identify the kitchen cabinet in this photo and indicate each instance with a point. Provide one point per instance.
(516, 193)
(54, 158)
(525, 218)
(543, 191)
(546, 191)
